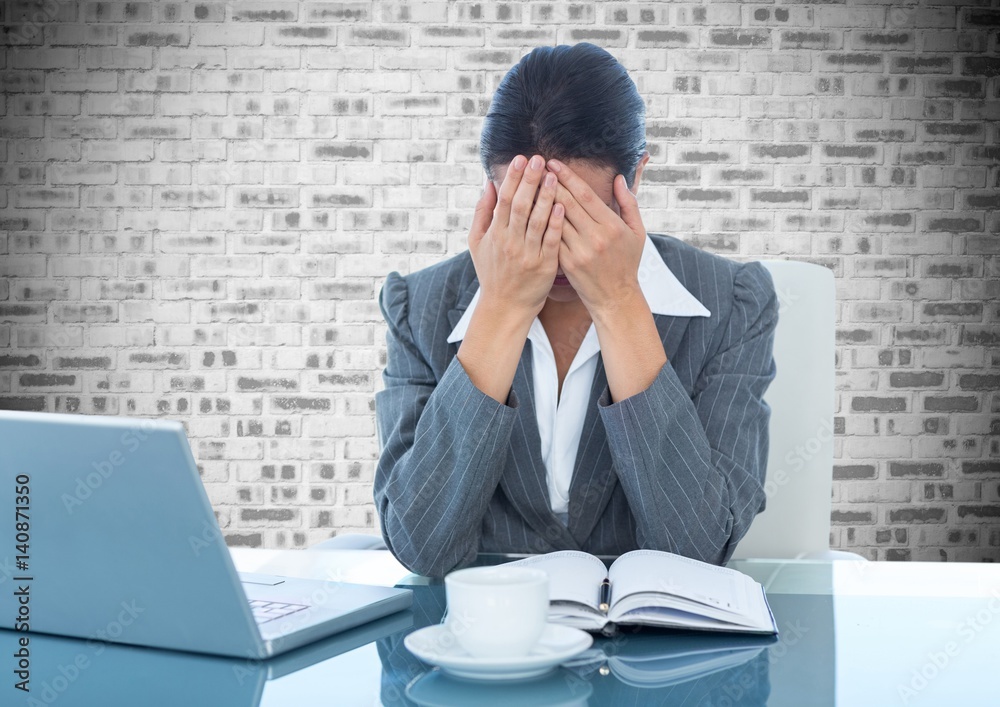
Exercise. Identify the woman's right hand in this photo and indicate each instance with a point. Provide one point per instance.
(514, 239)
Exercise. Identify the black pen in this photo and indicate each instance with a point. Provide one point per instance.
(605, 597)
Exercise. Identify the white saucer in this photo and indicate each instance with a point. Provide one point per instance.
(437, 645)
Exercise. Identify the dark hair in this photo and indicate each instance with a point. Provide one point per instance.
(566, 102)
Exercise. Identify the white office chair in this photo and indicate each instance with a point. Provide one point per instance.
(795, 522)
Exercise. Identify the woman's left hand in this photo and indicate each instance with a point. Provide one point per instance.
(600, 250)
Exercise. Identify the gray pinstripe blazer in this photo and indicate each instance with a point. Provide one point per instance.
(677, 467)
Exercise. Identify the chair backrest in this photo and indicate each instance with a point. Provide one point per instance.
(796, 518)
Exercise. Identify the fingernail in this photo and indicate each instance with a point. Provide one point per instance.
(550, 179)
(519, 162)
(555, 165)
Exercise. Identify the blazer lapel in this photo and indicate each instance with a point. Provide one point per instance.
(594, 479)
(456, 312)
(524, 481)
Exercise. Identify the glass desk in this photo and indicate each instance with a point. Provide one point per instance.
(851, 633)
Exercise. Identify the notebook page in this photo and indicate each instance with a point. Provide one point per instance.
(655, 571)
(573, 576)
(650, 607)
(637, 606)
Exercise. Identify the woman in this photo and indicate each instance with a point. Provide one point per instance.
(635, 418)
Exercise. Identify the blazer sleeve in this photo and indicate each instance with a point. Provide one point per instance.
(693, 467)
(443, 445)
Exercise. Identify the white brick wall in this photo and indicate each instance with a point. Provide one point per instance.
(201, 201)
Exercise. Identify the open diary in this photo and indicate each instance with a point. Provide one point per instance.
(653, 588)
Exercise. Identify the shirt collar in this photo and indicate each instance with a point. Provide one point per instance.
(663, 291)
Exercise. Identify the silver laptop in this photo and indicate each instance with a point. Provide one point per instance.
(106, 533)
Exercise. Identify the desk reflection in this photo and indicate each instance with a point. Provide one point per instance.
(638, 667)
(72, 672)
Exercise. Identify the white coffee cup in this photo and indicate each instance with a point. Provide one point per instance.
(497, 611)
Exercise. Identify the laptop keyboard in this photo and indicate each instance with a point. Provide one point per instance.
(264, 611)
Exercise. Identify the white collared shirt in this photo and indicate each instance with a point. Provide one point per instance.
(561, 417)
